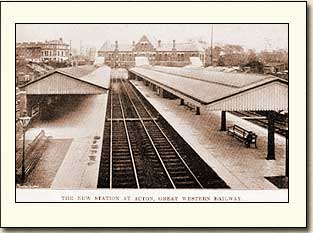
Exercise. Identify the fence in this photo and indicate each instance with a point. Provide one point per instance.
(33, 153)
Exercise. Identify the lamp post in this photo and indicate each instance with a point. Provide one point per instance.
(24, 122)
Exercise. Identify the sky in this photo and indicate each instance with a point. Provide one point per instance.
(250, 36)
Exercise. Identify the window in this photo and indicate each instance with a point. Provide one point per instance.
(182, 56)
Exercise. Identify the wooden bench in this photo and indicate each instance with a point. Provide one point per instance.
(247, 137)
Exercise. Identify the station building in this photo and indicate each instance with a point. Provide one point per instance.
(158, 53)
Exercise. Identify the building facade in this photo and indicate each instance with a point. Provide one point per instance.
(55, 50)
(166, 54)
(28, 51)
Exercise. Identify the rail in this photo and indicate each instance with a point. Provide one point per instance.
(150, 139)
(111, 142)
(128, 141)
(141, 150)
(164, 135)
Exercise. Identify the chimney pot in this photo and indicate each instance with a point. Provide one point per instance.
(174, 44)
(159, 43)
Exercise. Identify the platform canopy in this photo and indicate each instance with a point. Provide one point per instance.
(217, 90)
(73, 80)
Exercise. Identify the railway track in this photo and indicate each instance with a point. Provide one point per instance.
(141, 150)
(280, 125)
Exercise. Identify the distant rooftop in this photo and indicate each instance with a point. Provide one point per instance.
(158, 45)
(39, 43)
(89, 73)
(213, 75)
(78, 71)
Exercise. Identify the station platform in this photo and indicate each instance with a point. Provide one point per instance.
(72, 158)
(240, 167)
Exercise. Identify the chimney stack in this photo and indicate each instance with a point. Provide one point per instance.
(159, 43)
(134, 43)
(174, 44)
(116, 45)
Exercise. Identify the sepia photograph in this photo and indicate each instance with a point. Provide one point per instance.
(152, 106)
(154, 114)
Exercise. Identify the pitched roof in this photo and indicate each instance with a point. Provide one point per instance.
(205, 87)
(98, 77)
(107, 47)
(125, 47)
(164, 47)
(184, 47)
(111, 47)
(235, 80)
(78, 71)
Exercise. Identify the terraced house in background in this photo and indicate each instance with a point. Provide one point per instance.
(157, 52)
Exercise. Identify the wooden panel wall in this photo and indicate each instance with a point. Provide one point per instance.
(273, 96)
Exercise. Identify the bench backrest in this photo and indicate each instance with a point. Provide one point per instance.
(238, 128)
(241, 131)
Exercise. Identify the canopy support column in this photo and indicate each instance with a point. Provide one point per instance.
(271, 137)
(223, 121)
(197, 110)
(161, 92)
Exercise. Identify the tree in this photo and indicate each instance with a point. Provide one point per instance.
(251, 56)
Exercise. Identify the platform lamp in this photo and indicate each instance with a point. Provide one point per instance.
(24, 122)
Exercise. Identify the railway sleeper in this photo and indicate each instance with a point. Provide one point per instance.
(175, 165)
(184, 177)
(171, 159)
(178, 173)
(121, 154)
(125, 185)
(120, 150)
(187, 184)
(121, 159)
(124, 169)
(123, 179)
(166, 151)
